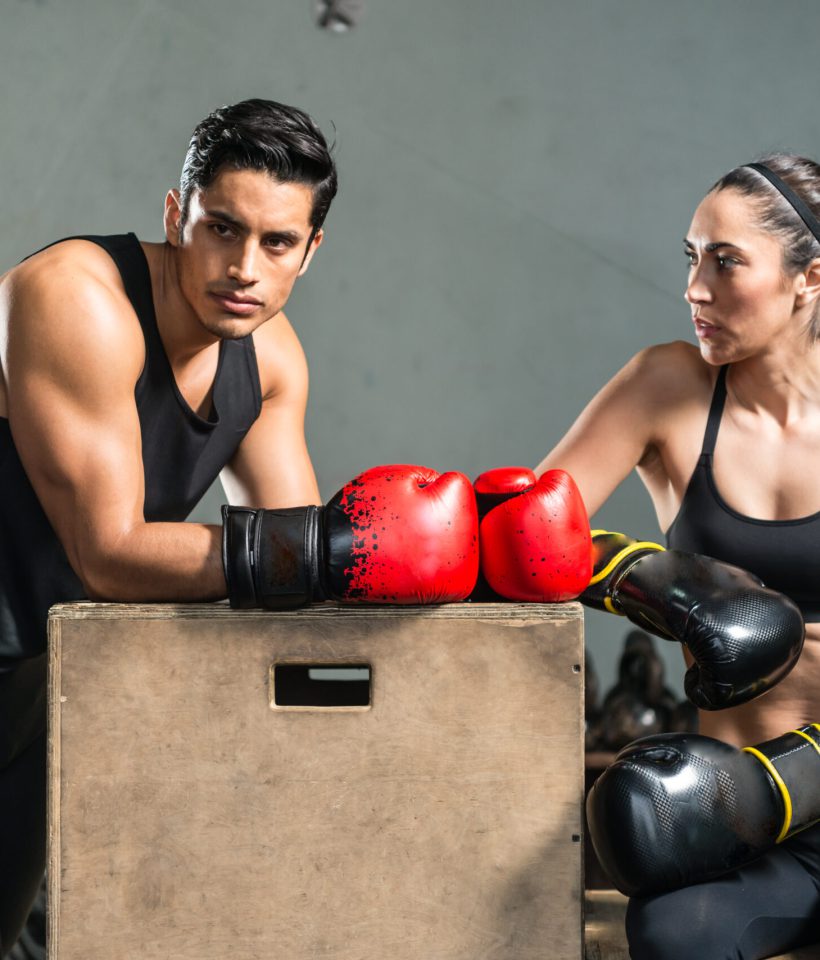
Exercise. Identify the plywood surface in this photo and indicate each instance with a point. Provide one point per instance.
(190, 818)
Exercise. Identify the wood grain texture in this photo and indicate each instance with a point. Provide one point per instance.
(191, 819)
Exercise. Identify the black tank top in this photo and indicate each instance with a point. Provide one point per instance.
(182, 455)
(785, 554)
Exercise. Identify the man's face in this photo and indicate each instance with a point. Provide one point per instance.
(241, 249)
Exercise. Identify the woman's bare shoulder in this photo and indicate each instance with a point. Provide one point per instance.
(670, 374)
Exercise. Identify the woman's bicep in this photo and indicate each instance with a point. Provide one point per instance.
(610, 437)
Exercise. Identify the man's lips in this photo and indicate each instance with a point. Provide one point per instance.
(232, 303)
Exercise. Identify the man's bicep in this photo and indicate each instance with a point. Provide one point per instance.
(73, 418)
(85, 466)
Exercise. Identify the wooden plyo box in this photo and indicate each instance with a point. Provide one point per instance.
(193, 816)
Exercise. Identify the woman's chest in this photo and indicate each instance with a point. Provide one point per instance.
(768, 474)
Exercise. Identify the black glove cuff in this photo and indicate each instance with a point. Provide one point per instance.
(315, 554)
(272, 558)
(614, 556)
(793, 764)
(237, 554)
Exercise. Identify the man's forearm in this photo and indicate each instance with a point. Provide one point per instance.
(157, 562)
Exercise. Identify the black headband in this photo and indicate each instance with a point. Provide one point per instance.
(800, 207)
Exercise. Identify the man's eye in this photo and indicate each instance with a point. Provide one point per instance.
(221, 229)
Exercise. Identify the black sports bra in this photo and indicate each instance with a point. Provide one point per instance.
(785, 554)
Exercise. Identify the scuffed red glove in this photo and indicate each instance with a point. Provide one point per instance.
(534, 535)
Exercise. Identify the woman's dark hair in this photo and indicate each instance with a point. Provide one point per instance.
(777, 216)
(266, 136)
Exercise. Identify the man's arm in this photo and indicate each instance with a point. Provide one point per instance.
(272, 467)
(73, 355)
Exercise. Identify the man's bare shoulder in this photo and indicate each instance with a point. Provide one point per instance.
(65, 310)
(73, 287)
(64, 266)
(281, 359)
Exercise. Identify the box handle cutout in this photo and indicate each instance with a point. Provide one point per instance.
(321, 685)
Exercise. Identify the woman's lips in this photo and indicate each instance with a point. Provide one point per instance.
(703, 329)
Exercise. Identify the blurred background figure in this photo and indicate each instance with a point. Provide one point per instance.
(637, 705)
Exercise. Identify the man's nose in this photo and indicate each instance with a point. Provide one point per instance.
(242, 268)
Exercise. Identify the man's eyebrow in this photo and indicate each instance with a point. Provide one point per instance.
(221, 215)
(711, 247)
(290, 236)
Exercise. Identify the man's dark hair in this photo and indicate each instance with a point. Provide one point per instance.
(266, 136)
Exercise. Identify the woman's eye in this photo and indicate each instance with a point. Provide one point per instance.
(726, 263)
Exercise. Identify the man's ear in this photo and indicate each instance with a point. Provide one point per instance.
(172, 217)
(315, 243)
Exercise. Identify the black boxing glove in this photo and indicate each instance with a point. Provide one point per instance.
(676, 809)
(743, 637)
(395, 534)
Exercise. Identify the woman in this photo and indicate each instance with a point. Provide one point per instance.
(726, 438)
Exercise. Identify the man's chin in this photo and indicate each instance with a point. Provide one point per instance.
(231, 328)
(236, 333)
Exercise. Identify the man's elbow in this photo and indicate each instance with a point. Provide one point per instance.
(99, 583)
(103, 572)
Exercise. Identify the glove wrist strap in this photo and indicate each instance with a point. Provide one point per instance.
(793, 764)
(272, 558)
(237, 563)
(315, 554)
(614, 556)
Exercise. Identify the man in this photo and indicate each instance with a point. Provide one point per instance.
(76, 351)
(131, 374)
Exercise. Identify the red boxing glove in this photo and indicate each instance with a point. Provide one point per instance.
(394, 534)
(402, 534)
(535, 539)
(491, 489)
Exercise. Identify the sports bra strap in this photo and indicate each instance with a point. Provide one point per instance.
(715, 413)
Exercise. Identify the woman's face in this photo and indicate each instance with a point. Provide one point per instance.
(742, 302)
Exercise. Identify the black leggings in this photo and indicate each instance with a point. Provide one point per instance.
(766, 908)
(22, 838)
(22, 794)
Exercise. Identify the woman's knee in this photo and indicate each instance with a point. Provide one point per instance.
(678, 926)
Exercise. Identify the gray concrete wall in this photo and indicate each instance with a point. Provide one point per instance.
(516, 179)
